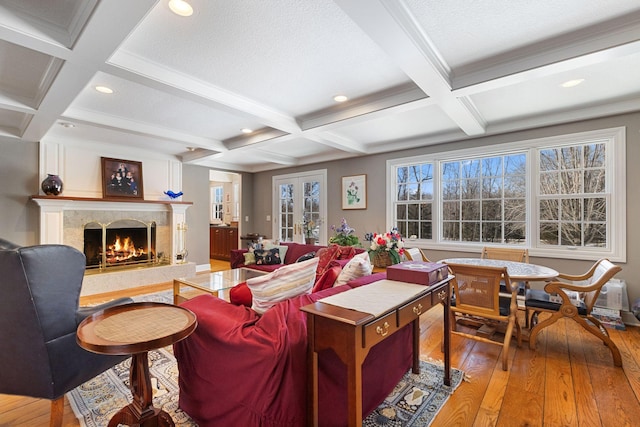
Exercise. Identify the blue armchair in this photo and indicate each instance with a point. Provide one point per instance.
(39, 315)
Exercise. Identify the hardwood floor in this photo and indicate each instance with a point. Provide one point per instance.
(569, 380)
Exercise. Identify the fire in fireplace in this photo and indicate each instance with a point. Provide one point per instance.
(120, 243)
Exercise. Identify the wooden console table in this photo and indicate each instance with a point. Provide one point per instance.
(351, 334)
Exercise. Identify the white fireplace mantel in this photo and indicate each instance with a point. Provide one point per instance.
(52, 210)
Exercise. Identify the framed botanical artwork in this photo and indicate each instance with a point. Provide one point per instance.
(354, 192)
(121, 179)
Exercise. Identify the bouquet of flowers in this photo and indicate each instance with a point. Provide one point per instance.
(385, 248)
(309, 227)
(344, 235)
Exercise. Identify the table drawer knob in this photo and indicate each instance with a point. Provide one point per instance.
(442, 295)
(418, 309)
(383, 330)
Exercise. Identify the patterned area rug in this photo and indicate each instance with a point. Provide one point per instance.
(414, 402)
(97, 400)
(416, 399)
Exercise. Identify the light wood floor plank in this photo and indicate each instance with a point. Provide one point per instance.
(568, 365)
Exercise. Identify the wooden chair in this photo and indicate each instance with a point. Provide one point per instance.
(415, 254)
(587, 286)
(505, 254)
(476, 292)
(509, 254)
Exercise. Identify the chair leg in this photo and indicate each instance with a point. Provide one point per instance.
(57, 410)
(599, 331)
(507, 341)
(536, 329)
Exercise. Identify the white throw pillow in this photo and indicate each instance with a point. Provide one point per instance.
(286, 282)
(360, 265)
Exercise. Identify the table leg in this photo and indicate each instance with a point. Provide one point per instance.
(415, 331)
(141, 410)
(445, 297)
(176, 291)
(354, 392)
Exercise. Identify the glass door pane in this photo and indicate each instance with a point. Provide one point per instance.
(286, 229)
(299, 207)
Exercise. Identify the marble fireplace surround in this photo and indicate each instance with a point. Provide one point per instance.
(62, 221)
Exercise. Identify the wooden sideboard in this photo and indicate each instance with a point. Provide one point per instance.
(222, 241)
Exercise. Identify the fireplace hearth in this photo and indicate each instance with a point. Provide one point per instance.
(122, 243)
(63, 220)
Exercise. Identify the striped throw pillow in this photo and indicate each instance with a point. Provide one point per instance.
(286, 282)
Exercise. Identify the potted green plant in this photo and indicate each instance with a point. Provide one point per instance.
(344, 235)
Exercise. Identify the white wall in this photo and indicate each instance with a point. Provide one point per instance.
(79, 166)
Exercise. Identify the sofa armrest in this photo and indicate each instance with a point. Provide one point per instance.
(237, 257)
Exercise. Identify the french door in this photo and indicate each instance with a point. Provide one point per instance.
(299, 207)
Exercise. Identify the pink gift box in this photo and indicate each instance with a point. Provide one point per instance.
(419, 272)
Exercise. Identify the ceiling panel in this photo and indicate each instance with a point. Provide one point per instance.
(292, 55)
(604, 82)
(416, 73)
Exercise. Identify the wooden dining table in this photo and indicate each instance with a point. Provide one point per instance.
(518, 271)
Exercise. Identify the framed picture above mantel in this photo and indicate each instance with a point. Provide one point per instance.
(121, 179)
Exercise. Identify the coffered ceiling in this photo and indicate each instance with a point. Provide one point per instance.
(416, 72)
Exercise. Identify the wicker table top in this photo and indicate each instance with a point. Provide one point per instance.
(135, 328)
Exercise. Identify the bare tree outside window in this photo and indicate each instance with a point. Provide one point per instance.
(573, 202)
(414, 200)
(484, 199)
(562, 195)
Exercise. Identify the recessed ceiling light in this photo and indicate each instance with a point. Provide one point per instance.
(67, 125)
(180, 7)
(246, 130)
(191, 148)
(572, 83)
(340, 98)
(104, 89)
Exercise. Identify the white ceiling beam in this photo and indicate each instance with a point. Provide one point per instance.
(118, 123)
(588, 46)
(12, 30)
(338, 142)
(392, 26)
(499, 80)
(96, 43)
(130, 67)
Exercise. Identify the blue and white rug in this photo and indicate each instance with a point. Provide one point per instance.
(414, 402)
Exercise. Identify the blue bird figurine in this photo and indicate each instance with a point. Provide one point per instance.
(172, 194)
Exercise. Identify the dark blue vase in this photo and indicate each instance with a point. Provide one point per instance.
(52, 185)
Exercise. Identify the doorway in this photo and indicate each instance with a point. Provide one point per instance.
(300, 207)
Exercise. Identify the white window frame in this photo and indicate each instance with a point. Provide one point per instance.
(213, 189)
(615, 189)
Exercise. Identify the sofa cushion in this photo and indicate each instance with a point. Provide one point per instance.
(285, 282)
(358, 266)
(328, 279)
(249, 258)
(240, 294)
(325, 256)
(296, 250)
(282, 249)
(306, 256)
(267, 256)
(345, 252)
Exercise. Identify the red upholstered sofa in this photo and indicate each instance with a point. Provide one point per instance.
(242, 369)
(294, 251)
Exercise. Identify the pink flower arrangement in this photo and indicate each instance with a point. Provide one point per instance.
(390, 241)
